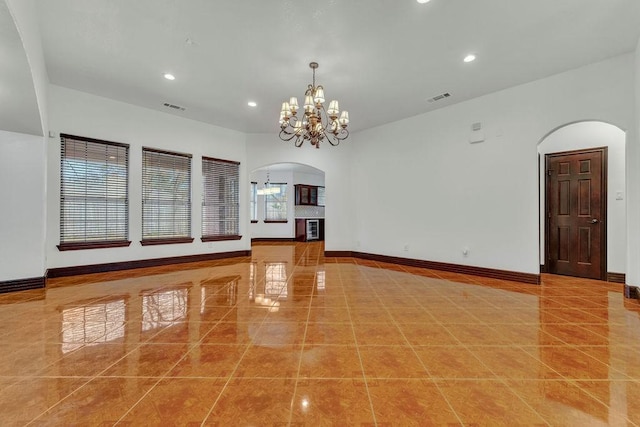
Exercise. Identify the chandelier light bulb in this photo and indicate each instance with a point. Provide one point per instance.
(333, 109)
(319, 96)
(308, 104)
(286, 110)
(344, 118)
(293, 104)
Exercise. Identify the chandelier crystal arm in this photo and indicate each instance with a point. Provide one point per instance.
(284, 135)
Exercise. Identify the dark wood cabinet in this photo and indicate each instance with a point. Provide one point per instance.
(306, 194)
(301, 230)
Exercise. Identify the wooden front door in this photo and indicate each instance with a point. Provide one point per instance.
(576, 213)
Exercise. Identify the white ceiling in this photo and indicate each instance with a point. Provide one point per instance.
(382, 59)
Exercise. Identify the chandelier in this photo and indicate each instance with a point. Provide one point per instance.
(268, 190)
(317, 124)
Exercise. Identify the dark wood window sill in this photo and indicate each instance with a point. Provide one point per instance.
(220, 238)
(151, 242)
(93, 245)
(254, 221)
(274, 221)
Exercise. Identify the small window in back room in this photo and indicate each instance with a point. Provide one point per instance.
(275, 204)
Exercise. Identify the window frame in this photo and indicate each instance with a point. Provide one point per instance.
(225, 204)
(66, 245)
(166, 240)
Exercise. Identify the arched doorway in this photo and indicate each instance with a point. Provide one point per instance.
(278, 217)
(575, 138)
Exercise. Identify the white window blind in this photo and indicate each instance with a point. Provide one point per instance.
(166, 197)
(220, 199)
(94, 200)
(275, 207)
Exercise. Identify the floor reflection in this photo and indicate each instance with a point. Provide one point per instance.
(164, 308)
(92, 324)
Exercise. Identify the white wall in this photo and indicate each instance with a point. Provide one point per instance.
(22, 169)
(633, 185)
(585, 135)
(82, 114)
(267, 149)
(308, 178)
(419, 184)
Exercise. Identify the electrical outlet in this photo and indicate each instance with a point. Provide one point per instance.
(406, 248)
(465, 251)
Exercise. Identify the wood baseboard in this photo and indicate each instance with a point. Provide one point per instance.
(338, 254)
(128, 265)
(22, 284)
(272, 239)
(616, 277)
(631, 292)
(441, 266)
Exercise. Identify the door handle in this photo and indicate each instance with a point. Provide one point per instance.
(594, 221)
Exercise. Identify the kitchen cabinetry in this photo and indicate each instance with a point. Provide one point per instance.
(306, 194)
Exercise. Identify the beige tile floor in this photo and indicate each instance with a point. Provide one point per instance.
(288, 337)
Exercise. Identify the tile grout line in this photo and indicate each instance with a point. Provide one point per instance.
(446, 399)
(304, 338)
(91, 378)
(189, 348)
(230, 376)
(355, 338)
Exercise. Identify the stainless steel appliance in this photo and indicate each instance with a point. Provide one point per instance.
(313, 229)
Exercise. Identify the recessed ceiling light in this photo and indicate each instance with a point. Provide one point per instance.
(423, 1)
(470, 58)
(252, 104)
(169, 76)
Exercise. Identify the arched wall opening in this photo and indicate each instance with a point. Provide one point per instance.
(585, 135)
(291, 174)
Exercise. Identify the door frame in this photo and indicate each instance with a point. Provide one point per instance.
(605, 205)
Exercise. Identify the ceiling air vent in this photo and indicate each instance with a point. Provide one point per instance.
(439, 97)
(173, 106)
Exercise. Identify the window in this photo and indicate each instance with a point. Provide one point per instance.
(94, 199)
(275, 205)
(253, 202)
(320, 196)
(166, 197)
(220, 200)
